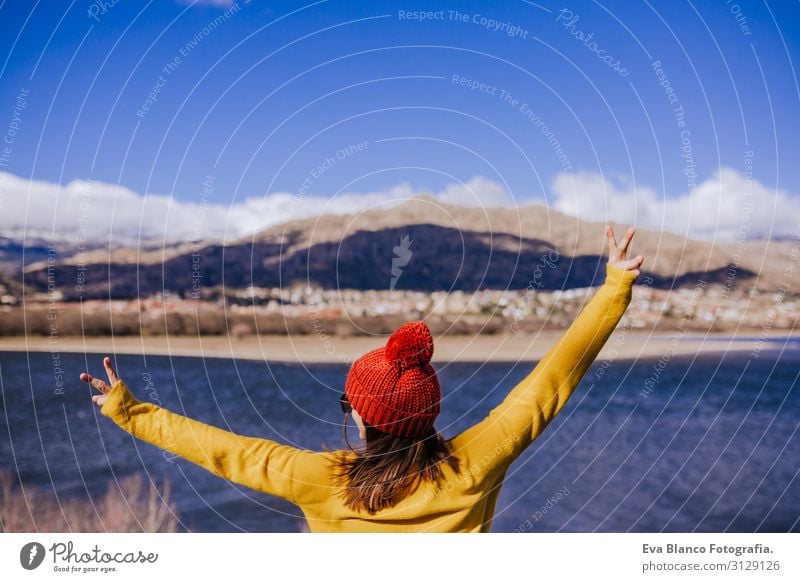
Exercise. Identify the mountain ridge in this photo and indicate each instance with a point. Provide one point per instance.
(358, 249)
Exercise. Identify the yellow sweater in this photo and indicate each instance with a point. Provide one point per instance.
(464, 503)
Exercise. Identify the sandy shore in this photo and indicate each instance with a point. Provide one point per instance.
(313, 349)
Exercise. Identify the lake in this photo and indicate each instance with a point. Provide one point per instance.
(702, 443)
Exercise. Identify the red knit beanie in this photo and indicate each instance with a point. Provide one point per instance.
(395, 388)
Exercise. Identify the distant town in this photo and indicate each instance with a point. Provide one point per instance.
(307, 310)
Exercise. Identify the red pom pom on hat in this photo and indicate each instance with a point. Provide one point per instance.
(411, 345)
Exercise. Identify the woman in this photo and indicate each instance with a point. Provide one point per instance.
(407, 477)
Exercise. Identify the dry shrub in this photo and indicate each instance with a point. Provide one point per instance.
(130, 507)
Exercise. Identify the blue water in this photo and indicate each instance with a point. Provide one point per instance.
(713, 447)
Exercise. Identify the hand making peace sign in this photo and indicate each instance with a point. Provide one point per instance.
(617, 252)
(99, 399)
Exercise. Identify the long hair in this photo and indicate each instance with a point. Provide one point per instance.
(389, 468)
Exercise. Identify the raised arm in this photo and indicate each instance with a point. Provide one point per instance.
(539, 397)
(260, 464)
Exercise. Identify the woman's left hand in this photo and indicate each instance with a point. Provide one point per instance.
(104, 388)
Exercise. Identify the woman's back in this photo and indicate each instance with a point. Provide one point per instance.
(459, 503)
(462, 501)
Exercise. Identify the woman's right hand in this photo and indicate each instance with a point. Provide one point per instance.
(104, 388)
(617, 252)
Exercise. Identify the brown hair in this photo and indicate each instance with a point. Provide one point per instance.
(389, 468)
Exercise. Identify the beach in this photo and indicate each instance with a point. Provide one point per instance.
(623, 344)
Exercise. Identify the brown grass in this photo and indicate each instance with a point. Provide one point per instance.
(97, 320)
(130, 506)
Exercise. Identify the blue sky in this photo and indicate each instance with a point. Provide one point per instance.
(258, 97)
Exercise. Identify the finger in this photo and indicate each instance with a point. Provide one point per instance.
(112, 375)
(633, 263)
(100, 385)
(95, 382)
(612, 242)
(99, 399)
(623, 247)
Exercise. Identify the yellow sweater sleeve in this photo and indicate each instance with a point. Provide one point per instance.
(537, 399)
(256, 463)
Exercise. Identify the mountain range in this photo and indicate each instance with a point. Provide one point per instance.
(421, 244)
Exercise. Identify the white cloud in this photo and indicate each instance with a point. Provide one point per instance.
(722, 208)
(719, 208)
(479, 191)
(99, 211)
